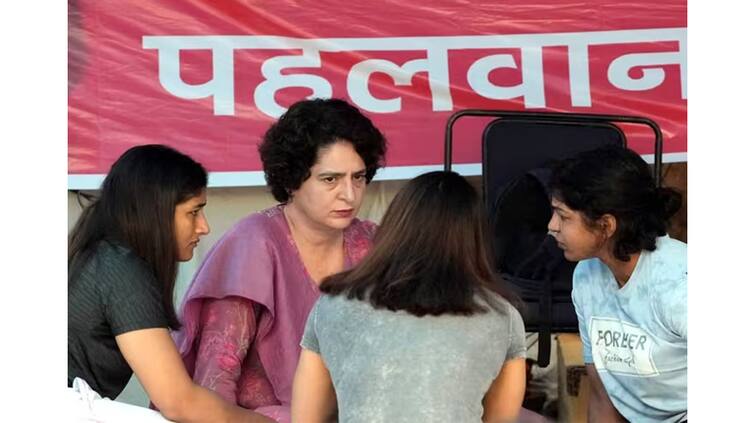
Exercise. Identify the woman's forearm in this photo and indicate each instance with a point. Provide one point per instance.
(601, 410)
(227, 326)
(199, 404)
(599, 406)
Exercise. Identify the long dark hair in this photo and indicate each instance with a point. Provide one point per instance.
(617, 181)
(432, 252)
(136, 208)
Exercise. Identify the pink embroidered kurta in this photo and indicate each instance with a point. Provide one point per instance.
(245, 311)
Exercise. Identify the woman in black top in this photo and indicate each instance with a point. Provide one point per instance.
(123, 258)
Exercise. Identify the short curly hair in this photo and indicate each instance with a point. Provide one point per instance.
(616, 181)
(289, 148)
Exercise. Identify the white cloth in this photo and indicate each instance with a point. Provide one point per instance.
(83, 404)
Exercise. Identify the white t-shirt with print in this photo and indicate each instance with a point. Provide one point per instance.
(636, 336)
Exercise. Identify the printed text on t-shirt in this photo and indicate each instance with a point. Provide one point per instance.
(621, 347)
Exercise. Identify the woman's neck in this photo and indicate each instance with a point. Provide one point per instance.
(308, 234)
(622, 270)
(320, 249)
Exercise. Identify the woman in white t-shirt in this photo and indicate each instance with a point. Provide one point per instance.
(630, 285)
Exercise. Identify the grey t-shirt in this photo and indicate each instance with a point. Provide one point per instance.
(395, 367)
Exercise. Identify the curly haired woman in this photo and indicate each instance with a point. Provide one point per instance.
(245, 311)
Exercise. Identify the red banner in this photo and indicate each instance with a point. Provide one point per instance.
(210, 77)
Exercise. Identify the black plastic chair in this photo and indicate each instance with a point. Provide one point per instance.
(517, 150)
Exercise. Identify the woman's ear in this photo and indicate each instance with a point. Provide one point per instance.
(607, 225)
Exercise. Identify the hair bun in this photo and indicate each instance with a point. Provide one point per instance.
(669, 201)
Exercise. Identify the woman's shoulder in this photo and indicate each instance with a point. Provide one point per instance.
(329, 302)
(257, 223)
(115, 254)
(255, 231)
(500, 305)
(115, 266)
(666, 266)
(339, 306)
(670, 250)
(243, 261)
(501, 323)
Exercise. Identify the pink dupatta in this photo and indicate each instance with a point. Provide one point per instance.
(257, 259)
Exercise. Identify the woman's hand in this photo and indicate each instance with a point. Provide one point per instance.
(154, 359)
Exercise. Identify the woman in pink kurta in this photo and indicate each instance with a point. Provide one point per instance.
(245, 311)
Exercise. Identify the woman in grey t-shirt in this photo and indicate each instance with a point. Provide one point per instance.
(419, 331)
